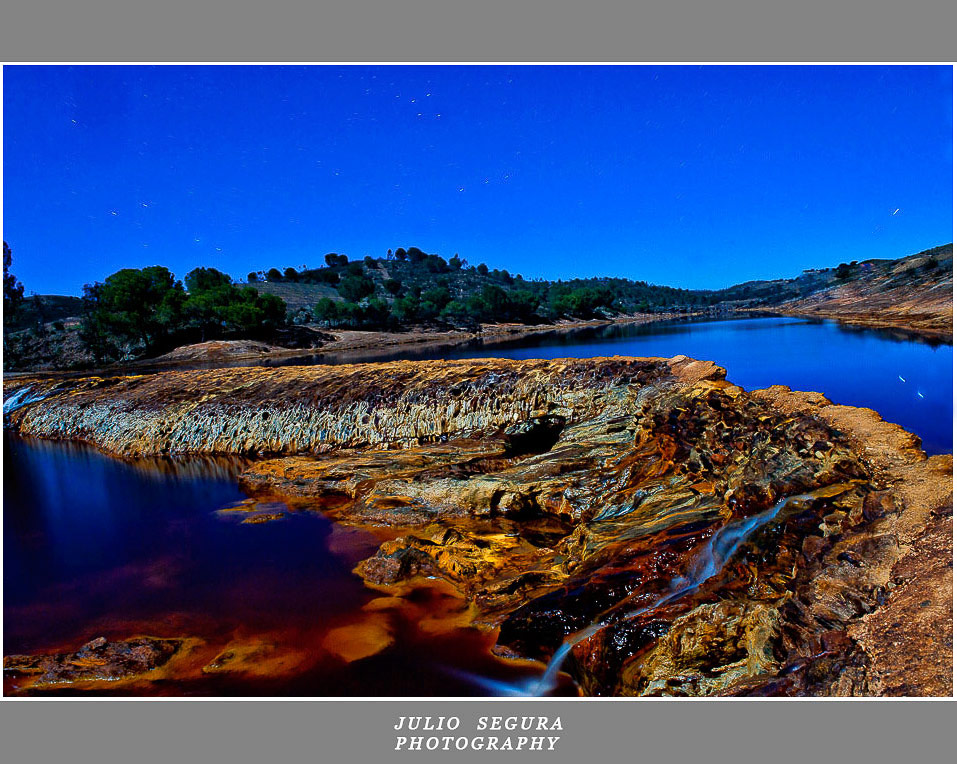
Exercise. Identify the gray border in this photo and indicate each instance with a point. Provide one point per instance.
(656, 732)
(476, 31)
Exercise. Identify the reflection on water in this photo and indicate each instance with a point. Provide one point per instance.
(908, 382)
(851, 365)
(95, 546)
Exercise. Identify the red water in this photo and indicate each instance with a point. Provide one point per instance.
(95, 546)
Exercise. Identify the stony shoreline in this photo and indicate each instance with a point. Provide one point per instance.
(555, 495)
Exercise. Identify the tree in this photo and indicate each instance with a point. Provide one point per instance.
(332, 259)
(12, 289)
(401, 254)
(405, 309)
(436, 264)
(135, 305)
(326, 311)
(150, 310)
(368, 261)
(354, 288)
(252, 277)
(216, 307)
(273, 275)
(482, 269)
(204, 279)
(433, 301)
(455, 262)
(328, 276)
(290, 274)
(393, 286)
(844, 271)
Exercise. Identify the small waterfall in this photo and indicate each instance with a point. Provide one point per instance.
(21, 398)
(721, 548)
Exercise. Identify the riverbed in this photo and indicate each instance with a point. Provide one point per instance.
(98, 547)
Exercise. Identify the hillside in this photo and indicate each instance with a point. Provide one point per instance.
(413, 294)
(913, 293)
(410, 288)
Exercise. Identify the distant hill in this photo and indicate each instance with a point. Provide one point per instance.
(411, 287)
(913, 293)
(44, 309)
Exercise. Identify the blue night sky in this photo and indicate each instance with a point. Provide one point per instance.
(692, 176)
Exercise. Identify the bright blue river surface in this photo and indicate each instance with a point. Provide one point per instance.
(907, 381)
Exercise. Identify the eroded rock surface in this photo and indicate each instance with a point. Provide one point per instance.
(97, 661)
(674, 533)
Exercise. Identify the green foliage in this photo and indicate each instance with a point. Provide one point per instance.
(137, 305)
(273, 275)
(148, 310)
(319, 276)
(326, 310)
(12, 288)
(355, 287)
(204, 279)
(332, 259)
(351, 315)
(393, 286)
(405, 310)
(432, 302)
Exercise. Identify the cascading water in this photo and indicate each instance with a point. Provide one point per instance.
(21, 398)
(710, 561)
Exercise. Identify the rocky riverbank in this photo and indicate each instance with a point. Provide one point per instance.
(914, 295)
(677, 534)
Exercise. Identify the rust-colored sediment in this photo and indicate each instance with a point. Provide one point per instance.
(554, 494)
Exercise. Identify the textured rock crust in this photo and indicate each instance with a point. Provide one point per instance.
(96, 661)
(569, 495)
(313, 409)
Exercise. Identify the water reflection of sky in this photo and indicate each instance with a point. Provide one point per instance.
(850, 366)
(95, 546)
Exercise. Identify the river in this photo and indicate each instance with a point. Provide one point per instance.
(95, 546)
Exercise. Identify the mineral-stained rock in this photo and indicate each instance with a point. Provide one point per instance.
(709, 649)
(97, 660)
(679, 534)
(292, 410)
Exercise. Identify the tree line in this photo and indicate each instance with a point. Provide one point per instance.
(411, 287)
(147, 310)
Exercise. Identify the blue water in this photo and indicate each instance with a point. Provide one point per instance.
(95, 546)
(907, 381)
